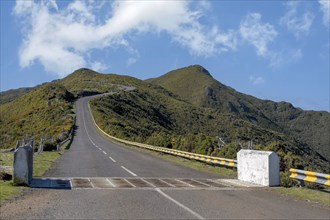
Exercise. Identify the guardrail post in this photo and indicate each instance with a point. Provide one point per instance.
(258, 167)
(23, 165)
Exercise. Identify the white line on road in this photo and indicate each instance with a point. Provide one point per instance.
(148, 183)
(104, 152)
(112, 159)
(91, 183)
(179, 204)
(184, 183)
(129, 183)
(128, 171)
(111, 183)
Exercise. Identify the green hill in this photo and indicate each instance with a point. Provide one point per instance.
(196, 85)
(12, 94)
(44, 111)
(182, 111)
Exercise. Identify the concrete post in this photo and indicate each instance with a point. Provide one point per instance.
(23, 165)
(258, 167)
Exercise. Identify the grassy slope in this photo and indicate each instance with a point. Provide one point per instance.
(195, 85)
(45, 110)
(152, 115)
(155, 115)
(12, 94)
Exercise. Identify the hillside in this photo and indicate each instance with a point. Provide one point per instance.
(150, 113)
(148, 116)
(12, 94)
(45, 111)
(196, 85)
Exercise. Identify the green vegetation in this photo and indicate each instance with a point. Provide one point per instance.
(149, 115)
(12, 94)
(184, 109)
(45, 111)
(322, 197)
(7, 190)
(195, 85)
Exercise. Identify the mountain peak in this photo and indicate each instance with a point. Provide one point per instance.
(197, 69)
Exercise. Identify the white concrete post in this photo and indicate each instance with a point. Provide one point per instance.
(258, 167)
(23, 165)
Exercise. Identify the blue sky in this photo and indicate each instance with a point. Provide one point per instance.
(277, 50)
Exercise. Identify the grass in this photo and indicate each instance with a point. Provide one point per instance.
(41, 163)
(312, 195)
(7, 190)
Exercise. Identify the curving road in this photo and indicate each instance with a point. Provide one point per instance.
(93, 157)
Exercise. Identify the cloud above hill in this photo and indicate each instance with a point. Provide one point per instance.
(60, 38)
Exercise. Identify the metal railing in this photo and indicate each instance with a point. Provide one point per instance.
(199, 157)
(309, 176)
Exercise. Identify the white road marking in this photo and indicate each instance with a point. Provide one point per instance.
(205, 184)
(91, 183)
(104, 152)
(112, 159)
(167, 183)
(111, 183)
(128, 171)
(184, 182)
(179, 204)
(129, 182)
(148, 183)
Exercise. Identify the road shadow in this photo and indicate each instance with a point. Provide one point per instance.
(48, 183)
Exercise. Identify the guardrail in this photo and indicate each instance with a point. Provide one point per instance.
(70, 136)
(200, 157)
(308, 176)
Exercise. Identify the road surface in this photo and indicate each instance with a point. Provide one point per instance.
(108, 181)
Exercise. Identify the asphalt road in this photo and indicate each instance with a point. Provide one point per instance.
(92, 155)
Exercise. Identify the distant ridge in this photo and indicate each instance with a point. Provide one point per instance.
(196, 85)
(184, 109)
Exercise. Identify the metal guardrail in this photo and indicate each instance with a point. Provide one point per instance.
(308, 176)
(200, 157)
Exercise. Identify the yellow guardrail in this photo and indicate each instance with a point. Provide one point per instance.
(200, 157)
(309, 176)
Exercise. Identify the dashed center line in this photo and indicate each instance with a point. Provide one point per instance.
(128, 171)
(112, 159)
(104, 152)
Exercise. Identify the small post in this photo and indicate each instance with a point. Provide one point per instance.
(23, 165)
(41, 145)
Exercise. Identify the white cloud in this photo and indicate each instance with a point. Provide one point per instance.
(131, 61)
(98, 66)
(325, 8)
(284, 57)
(59, 38)
(259, 34)
(295, 23)
(256, 80)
